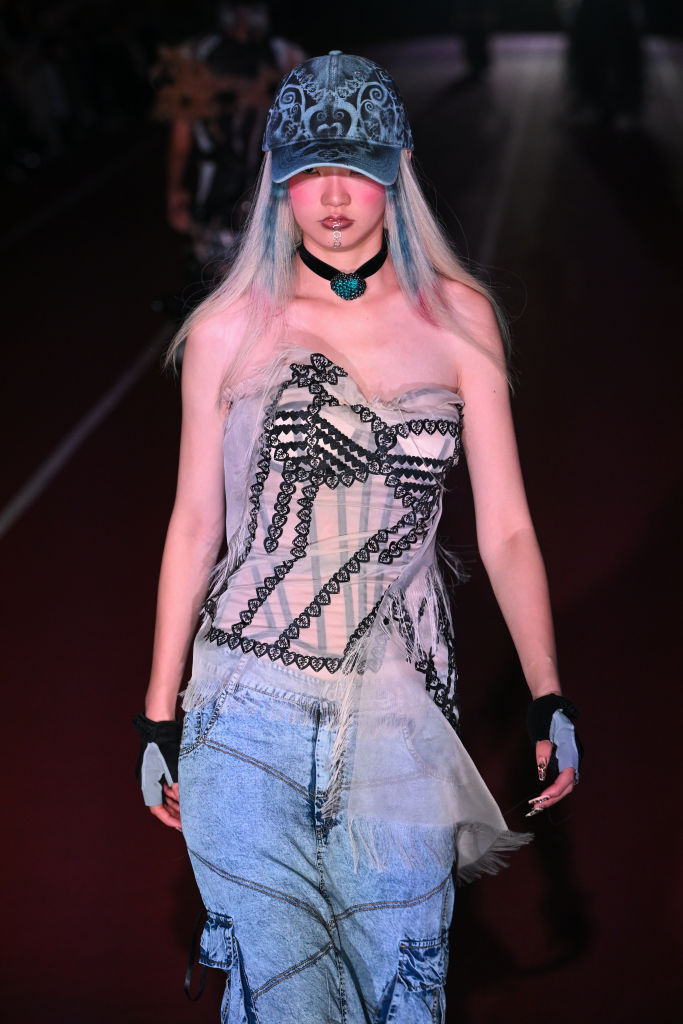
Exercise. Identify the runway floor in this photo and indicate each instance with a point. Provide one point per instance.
(580, 232)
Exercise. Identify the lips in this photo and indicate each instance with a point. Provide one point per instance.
(336, 222)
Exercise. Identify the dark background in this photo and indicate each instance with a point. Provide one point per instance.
(578, 228)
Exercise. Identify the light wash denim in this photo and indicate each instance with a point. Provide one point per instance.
(303, 938)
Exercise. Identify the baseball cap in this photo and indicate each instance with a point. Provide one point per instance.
(338, 110)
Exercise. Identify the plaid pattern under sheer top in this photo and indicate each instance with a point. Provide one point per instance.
(343, 496)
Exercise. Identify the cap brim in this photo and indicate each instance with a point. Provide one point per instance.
(378, 162)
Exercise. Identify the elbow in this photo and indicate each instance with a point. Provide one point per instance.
(198, 528)
(498, 546)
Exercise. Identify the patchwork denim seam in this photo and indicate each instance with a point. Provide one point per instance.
(444, 907)
(213, 745)
(372, 1008)
(305, 702)
(393, 904)
(291, 971)
(264, 889)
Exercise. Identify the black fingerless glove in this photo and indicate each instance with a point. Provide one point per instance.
(158, 759)
(551, 718)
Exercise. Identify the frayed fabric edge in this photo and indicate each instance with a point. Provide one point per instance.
(201, 692)
(378, 843)
(494, 859)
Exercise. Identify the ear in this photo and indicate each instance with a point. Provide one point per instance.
(408, 153)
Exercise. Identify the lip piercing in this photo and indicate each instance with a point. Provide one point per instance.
(336, 235)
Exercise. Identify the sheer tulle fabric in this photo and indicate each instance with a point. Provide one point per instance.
(333, 501)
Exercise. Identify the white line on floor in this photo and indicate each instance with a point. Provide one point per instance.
(501, 193)
(67, 448)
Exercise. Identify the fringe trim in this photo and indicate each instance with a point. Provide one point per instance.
(379, 842)
(495, 858)
(201, 692)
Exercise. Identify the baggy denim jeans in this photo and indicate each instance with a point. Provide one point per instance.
(302, 937)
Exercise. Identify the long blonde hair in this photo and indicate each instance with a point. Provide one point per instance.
(262, 274)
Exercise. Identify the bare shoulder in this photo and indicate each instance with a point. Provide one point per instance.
(219, 336)
(213, 346)
(476, 343)
(476, 314)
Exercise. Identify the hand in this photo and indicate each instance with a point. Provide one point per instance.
(557, 748)
(157, 767)
(168, 812)
(561, 787)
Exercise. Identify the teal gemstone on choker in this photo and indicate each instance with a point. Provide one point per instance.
(348, 286)
(345, 286)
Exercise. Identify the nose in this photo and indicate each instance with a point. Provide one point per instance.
(335, 193)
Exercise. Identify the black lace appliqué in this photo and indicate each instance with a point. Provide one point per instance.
(313, 453)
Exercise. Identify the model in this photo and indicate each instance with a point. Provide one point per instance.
(329, 385)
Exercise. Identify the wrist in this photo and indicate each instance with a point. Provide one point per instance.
(160, 710)
(540, 714)
(551, 690)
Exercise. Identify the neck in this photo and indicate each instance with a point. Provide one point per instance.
(346, 259)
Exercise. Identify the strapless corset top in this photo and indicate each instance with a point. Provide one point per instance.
(332, 500)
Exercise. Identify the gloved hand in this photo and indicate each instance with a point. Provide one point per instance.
(550, 721)
(158, 759)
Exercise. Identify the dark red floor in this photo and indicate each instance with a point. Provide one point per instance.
(581, 233)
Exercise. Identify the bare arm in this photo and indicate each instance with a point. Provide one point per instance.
(194, 535)
(196, 527)
(505, 533)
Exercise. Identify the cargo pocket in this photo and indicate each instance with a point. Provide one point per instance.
(416, 994)
(216, 948)
(220, 948)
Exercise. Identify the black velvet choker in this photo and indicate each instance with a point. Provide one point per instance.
(346, 286)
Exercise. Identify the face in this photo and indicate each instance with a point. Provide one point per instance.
(327, 196)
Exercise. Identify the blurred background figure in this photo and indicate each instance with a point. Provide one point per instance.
(474, 21)
(605, 60)
(215, 92)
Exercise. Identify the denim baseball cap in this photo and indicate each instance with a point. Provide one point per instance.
(341, 111)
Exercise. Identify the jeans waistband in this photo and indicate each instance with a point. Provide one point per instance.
(239, 671)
